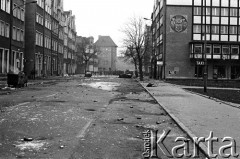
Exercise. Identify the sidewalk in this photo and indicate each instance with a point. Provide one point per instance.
(198, 115)
(3, 83)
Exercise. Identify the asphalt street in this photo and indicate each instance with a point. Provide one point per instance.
(81, 118)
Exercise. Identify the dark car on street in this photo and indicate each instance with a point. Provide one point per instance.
(88, 74)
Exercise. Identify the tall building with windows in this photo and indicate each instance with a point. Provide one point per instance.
(70, 34)
(49, 31)
(12, 62)
(183, 29)
(107, 57)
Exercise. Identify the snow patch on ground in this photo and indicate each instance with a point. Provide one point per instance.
(33, 145)
(108, 86)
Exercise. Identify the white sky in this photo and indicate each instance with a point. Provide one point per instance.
(106, 17)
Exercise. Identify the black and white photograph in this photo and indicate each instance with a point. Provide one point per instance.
(119, 79)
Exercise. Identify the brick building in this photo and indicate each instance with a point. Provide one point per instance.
(49, 32)
(179, 38)
(12, 62)
(70, 34)
(108, 54)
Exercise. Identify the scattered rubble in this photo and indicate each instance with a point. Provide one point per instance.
(150, 85)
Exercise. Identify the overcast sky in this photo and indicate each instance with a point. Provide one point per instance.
(106, 17)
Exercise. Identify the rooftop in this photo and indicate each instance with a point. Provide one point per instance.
(105, 41)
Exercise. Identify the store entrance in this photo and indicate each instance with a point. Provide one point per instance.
(235, 72)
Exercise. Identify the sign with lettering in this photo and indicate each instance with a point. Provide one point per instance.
(201, 63)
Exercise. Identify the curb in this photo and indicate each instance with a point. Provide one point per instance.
(203, 148)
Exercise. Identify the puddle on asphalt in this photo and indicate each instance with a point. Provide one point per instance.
(33, 145)
(108, 86)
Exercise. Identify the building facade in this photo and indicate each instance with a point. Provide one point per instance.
(108, 54)
(188, 33)
(70, 34)
(12, 15)
(49, 31)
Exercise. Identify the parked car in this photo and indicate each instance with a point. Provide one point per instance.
(88, 74)
(125, 75)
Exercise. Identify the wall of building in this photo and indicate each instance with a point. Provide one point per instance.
(178, 64)
(105, 58)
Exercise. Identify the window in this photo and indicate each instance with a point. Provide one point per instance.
(233, 3)
(233, 30)
(198, 49)
(197, 11)
(224, 29)
(215, 11)
(22, 14)
(215, 29)
(235, 50)
(18, 13)
(22, 35)
(225, 49)
(8, 6)
(207, 28)
(233, 12)
(220, 71)
(14, 33)
(15, 10)
(216, 49)
(39, 39)
(208, 11)
(2, 27)
(18, 35)
(7, 30)
(224, 11)
(208, 49)
(224, 3)
(197, 29)
(3, 5)
(199, 70)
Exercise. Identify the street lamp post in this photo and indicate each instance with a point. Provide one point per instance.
(205, 76)
(11, 25)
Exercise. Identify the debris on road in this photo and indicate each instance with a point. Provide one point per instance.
(120, 119)
(61, 147)
(32, 145)
(150, 85)
(27, 139)
(158, 122)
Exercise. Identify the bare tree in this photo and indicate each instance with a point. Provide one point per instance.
(87, 51)
(130, 56)
(135, 37)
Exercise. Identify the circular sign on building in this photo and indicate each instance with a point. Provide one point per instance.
(178, 23)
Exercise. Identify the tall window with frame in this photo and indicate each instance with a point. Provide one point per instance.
(8, 6)
(216, 49)
(234, 50)
(7, 30)
(2, 28)
(215, 29)
(225, 50)
(3, 5)
(198, 49)
(224, 29)
(215, 11)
